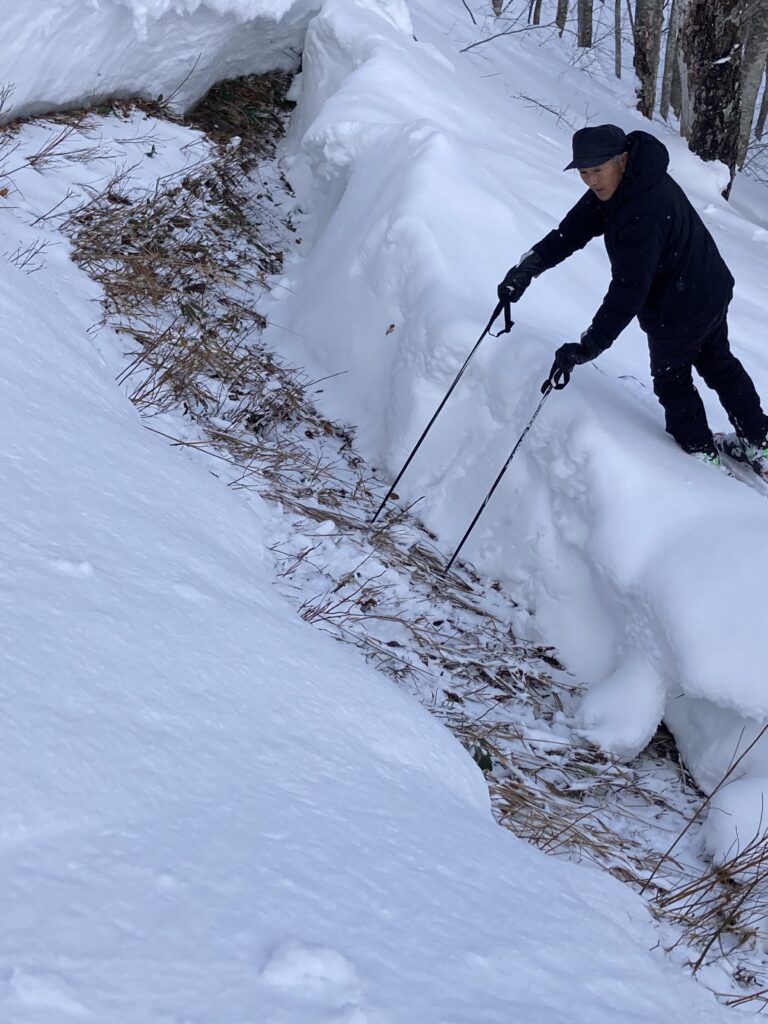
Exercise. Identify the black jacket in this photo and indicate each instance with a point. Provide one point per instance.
(665, 267)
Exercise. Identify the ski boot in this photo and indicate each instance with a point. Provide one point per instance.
(752, 455)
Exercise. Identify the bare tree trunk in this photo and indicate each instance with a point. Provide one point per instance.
(631, 18)
(711, 50)
(649, 17)
(536, 19)
(676, 93)
(585, 22)
(617, 38)
(763, 115)
(498, 7)
(670, 61)
(562, 15)
(754, 55)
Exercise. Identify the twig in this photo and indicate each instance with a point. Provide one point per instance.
(507, 32)
(469, 12)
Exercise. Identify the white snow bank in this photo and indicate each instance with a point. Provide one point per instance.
(59, 53)
(426, 174)
(212, 812)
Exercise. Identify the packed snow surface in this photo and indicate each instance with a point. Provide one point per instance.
(59, 53)
(645, 567)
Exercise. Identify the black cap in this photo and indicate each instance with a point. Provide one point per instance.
(595, 146)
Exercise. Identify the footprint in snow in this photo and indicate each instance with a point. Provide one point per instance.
(45, 990)
(67, 568)
(319, 974)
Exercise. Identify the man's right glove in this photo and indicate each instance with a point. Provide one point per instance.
(570, 355)
(574, 353)
(519, 277)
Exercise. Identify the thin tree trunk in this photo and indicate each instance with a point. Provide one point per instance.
(585, 22)
(617, 38)
(754, 55)
(562, 15)
(498, 7)
(676, 93)
(670, 61)
(763, 115)
(711, 51)
(631, 19)
(537, 12)
(649, 17)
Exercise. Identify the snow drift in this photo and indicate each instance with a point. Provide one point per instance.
(60, 53)
(642, 565)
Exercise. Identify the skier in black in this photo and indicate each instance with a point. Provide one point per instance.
(665, 270)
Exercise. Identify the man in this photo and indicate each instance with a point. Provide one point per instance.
(665, 270)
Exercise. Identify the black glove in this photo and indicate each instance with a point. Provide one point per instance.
(570, 355)
(519, 277)
(576, 352)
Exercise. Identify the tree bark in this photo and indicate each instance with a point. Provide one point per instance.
(498, 7)
(536, 6)
(562, 15)
(585, 22)
(710, 43)
(617, 38)
(649, 17)
(670, 61)
(763, 115)
(754, 56)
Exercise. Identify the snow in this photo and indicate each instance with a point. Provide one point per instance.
(643, 566)
(213, 812)
(62, 53)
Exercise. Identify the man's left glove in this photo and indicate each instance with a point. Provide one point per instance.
(575, 353)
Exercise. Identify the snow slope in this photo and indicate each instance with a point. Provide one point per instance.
(59, 53)
(643, 566)
(211, 812)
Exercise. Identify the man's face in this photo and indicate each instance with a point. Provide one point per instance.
(605, 179)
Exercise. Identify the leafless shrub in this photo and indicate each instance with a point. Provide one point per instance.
(6, 92)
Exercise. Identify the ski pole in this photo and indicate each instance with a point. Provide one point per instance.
(555, 382)
(508, 325)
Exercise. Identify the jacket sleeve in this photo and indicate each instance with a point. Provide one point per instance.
(638, 246)
(582, 223)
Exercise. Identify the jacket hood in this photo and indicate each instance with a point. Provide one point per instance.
(647, 164)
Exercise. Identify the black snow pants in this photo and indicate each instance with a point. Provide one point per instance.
(720, 370)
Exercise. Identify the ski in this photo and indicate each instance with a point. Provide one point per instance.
(731, 448)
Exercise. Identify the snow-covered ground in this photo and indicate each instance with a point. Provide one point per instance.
(60, 53)
(212, 812)
(643, 566)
